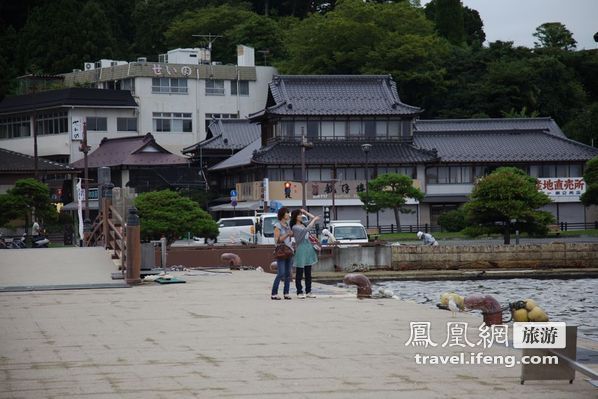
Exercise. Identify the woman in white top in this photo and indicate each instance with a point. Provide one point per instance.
(283, 233)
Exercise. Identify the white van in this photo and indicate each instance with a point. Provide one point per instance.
(348, 231)
(236, 230)
(265, 228)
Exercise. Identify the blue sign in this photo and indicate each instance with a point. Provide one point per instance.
(233, 193)
(233, 203)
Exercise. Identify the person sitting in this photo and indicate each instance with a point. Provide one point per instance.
(428, 238)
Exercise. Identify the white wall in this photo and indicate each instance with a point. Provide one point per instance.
(61, 144)
(196, 102)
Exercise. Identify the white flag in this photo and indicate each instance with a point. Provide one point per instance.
(80, 195)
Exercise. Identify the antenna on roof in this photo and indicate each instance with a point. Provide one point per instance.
(211, 39)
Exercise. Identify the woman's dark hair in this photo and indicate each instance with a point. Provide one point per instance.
(294, 215)
(281, 212)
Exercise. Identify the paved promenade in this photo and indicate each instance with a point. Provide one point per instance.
(220, 336)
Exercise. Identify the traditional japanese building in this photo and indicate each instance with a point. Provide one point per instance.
(358, 128)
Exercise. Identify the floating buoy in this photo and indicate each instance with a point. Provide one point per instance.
(520, 315)
(537, 314)
(530, 304)
(528, 310)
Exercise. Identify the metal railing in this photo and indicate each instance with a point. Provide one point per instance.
(434, 228)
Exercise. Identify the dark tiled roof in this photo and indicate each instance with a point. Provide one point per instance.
(503, 146)
(334, 95)
(228, 134)
(547, 125)
(64, 97)
(11, 161)
(343, 152)
(130, 151)
(241, 158)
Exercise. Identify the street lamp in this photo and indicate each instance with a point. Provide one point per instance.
(305, 145)
(366, 149)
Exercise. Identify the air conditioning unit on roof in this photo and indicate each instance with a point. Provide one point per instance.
(88, 66)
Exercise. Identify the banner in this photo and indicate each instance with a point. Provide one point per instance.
(76, 129)
(562, 189)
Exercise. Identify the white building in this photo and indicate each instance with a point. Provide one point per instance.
(175, 101)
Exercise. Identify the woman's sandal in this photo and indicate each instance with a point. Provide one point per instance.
(275, 298)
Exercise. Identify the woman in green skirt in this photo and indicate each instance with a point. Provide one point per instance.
(305, 254)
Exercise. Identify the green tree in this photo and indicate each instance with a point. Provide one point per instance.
(390, 190)
(448, 16)
(583, 126)
(236, 25)
(172, 215)
(590, 176)
(507, 199)
(554, 35)
(152, 18)
(453, 220)
(28, 199)
(60, 35)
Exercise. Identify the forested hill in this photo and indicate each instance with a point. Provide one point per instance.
(435, 52)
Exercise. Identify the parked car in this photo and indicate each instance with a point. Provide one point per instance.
(236, 230)
(348, 231)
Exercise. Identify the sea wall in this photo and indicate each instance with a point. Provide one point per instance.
(554, 255)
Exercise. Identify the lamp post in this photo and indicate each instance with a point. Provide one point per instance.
(366, 149)
(305, 145)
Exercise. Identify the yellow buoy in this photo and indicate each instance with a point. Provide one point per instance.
(537, 314)
(520, 315)
(530, 304)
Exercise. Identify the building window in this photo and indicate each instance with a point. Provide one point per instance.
(214, 87)
(287, 129)
(354, 128)
(172, 122)
(19, 126)
(52, 123)
(126, 124)
(560, 170)
(169, 85)
(313, 129)
(239, 87)
(99, 124)
(128, 84)
(453, 174)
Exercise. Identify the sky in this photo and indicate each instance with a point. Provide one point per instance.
(517, 20)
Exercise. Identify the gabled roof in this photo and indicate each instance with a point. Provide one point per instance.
(241, 158)
(503, 146)
(75, 96)
(130, 151)
(547, 125)
(228, 134)
(343, 153)
(359, 95)
(11, 161)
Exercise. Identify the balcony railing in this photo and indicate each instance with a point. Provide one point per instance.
(325, 139)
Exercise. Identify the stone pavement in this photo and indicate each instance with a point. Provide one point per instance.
(68, 266)
(220, 336)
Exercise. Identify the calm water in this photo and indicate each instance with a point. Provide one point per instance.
(572, 301)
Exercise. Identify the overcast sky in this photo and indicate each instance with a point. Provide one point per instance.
(517, 20)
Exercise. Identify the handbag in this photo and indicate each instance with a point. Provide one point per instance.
(282, 251)
(314, 242)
